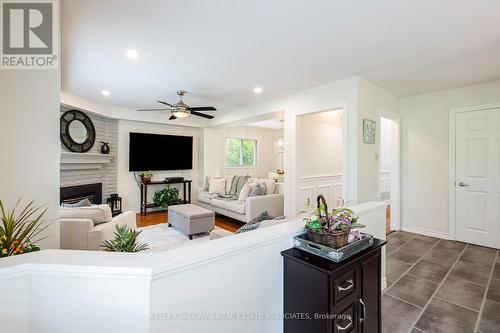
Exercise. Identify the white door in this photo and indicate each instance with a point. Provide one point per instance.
(477, 182)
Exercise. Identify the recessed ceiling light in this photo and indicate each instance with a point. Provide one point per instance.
(132, 54)
(257, 90)
(105, 92)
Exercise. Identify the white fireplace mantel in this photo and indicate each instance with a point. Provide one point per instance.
(84, 161)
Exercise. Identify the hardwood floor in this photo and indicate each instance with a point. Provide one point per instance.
(153, 218)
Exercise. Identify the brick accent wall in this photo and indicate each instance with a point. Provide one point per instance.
(107, 131)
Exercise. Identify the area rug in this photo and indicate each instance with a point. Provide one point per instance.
(162, 238)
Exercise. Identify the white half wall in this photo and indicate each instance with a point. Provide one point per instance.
(88, 291)
(29, 141)
(425, 144)
(214, 148)
(126, 184)
(373, 101)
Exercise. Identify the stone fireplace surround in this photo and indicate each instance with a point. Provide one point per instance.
(106, 174)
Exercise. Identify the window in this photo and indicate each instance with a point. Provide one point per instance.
(241, 152)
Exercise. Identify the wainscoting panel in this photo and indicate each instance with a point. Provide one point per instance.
(311, 186)
(385, 185)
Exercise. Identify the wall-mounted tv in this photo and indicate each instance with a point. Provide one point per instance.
(160, 152)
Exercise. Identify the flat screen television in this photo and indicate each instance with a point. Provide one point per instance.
(160, 152)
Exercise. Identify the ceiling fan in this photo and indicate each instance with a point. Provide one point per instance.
(182, 110)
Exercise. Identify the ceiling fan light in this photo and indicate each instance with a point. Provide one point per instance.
(180, 114)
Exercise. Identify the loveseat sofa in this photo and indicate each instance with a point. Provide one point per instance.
(243, 211)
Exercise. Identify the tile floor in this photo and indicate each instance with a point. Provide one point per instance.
(440, 286)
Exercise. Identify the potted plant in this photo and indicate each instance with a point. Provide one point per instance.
(19, 232)
(331, 228)
(167, 197)
(145, 176)
(125, 241)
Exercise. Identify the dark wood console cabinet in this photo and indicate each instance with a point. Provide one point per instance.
(186, 192)
(323, 296)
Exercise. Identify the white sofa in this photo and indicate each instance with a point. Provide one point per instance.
(243, 211)
(79, 232)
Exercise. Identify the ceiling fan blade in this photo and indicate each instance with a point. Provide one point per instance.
(172, 117)
(203, 108)
(153, 109)
(194, 113)
(162, 102)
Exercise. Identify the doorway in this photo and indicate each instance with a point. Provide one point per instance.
(389, 166)
(475, 175)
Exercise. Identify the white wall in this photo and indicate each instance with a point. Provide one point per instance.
(360, 99)
(385, 144)
(389, 136)
(127, 187)
(29, 141)
(320, 146)
(372, 102)
(332, 96)
(215, 148)
(425, 153)
(319, 156)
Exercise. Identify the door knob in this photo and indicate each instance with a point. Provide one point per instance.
(462, 184)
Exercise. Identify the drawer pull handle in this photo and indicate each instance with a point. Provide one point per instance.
(340, 328)
(351, 284)
(363, 311)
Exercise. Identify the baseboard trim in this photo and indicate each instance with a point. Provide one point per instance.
(426, 232)
(384, 283)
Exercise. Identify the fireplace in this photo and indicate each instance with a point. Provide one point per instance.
(73, 194)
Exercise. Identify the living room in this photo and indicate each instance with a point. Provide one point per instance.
(208, 155)
(257, 126)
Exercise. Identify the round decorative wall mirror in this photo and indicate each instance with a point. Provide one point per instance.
(77, 131)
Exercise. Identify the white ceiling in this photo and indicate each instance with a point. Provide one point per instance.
(268, 124)
(220, 50)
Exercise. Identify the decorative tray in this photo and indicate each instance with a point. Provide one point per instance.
(337, 255)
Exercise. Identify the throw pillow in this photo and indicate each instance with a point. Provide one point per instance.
(81, 203)
(217, 186)
(245, 191)
(258, 189)
(264, 216)
(247, 227)
(270, 223)
(270, 185)
(206, 186)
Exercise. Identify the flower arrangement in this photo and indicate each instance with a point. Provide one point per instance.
(19, 232)
(331, 228)
(145, 176)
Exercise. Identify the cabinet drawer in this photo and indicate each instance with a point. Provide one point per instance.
(345, 321)
(344, 285)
